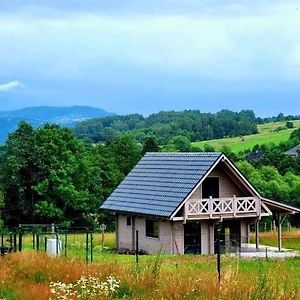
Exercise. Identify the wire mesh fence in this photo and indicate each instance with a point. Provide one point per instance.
(82, 243)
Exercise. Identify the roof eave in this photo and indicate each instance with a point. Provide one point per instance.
(112, 210)
(282, 206)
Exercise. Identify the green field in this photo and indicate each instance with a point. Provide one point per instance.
(28, 275)
(267, 135)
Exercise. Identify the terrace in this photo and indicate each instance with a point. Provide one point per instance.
(214, 208)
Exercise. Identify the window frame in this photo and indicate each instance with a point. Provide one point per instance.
(219, 187)
(155, 231)
(127, 219)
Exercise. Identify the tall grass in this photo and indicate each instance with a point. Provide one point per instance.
(290, 239)
(27, 276)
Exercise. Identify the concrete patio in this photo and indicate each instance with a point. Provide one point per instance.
(250, 250)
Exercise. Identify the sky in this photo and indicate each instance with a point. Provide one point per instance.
(129, 56)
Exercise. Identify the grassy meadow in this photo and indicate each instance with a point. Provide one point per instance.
(290, 239)
(267, 134)
(28, 275)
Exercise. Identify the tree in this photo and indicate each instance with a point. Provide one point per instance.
(18, 175)
(126, 153)
(49, 176)
(182, 143)
(289, 124)
(209, 148)
(150, 145)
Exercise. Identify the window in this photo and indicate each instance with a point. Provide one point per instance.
(128, 221)
(152, 228)
(210, 187)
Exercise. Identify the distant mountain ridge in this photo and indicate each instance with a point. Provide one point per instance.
(39, 115)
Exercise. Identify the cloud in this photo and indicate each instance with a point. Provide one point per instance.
(11, 85)
(132, 49)
(237, 43)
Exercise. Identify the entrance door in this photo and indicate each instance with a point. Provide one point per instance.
(192, 238)
(230, 236)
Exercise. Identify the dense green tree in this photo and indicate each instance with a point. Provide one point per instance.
(150, 145)
(49, 176)
(126, 153)
(270, 183)
(181, 143)
(18, 175)
(192, 124)
(289, 124)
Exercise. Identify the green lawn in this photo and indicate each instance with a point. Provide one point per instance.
(266, 135)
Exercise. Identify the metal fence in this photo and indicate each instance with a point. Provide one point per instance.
(75, 242)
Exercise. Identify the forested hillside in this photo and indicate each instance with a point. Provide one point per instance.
(48, 175)
(166, 126)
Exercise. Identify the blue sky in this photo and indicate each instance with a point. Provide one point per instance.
(146, 56)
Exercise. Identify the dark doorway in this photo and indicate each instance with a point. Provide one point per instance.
(192, 238)
(210, 187)
(230, 236)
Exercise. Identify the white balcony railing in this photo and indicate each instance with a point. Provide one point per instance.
(216, 207)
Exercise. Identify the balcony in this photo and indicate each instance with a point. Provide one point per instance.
(214, 208)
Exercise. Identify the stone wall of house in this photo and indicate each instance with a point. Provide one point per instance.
(162, 244)
(178, 238)
(165, 243)
(125, 233)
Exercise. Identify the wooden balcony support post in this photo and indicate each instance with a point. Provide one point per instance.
(234, 206)
(280, 218)
(185, 212)
(257, 234)
(279, 232)
(210, 206)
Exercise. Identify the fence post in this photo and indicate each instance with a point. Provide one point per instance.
(15, 241)
(87, 246)
(11, 241)
(45, 244)
(66, 243)
(92, 246)
(33, 240)
(137, 247)
(37, 242)
(57, 241)
(20, 238)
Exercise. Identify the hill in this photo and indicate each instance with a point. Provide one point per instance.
(274, 132)
(192, 125)
(66, 116)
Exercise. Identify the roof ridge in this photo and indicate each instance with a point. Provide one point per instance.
(183, 153)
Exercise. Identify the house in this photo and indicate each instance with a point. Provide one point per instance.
(176, 200)
(294, 152)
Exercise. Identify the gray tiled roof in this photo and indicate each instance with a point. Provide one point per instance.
(160, 182)
(294, 151)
